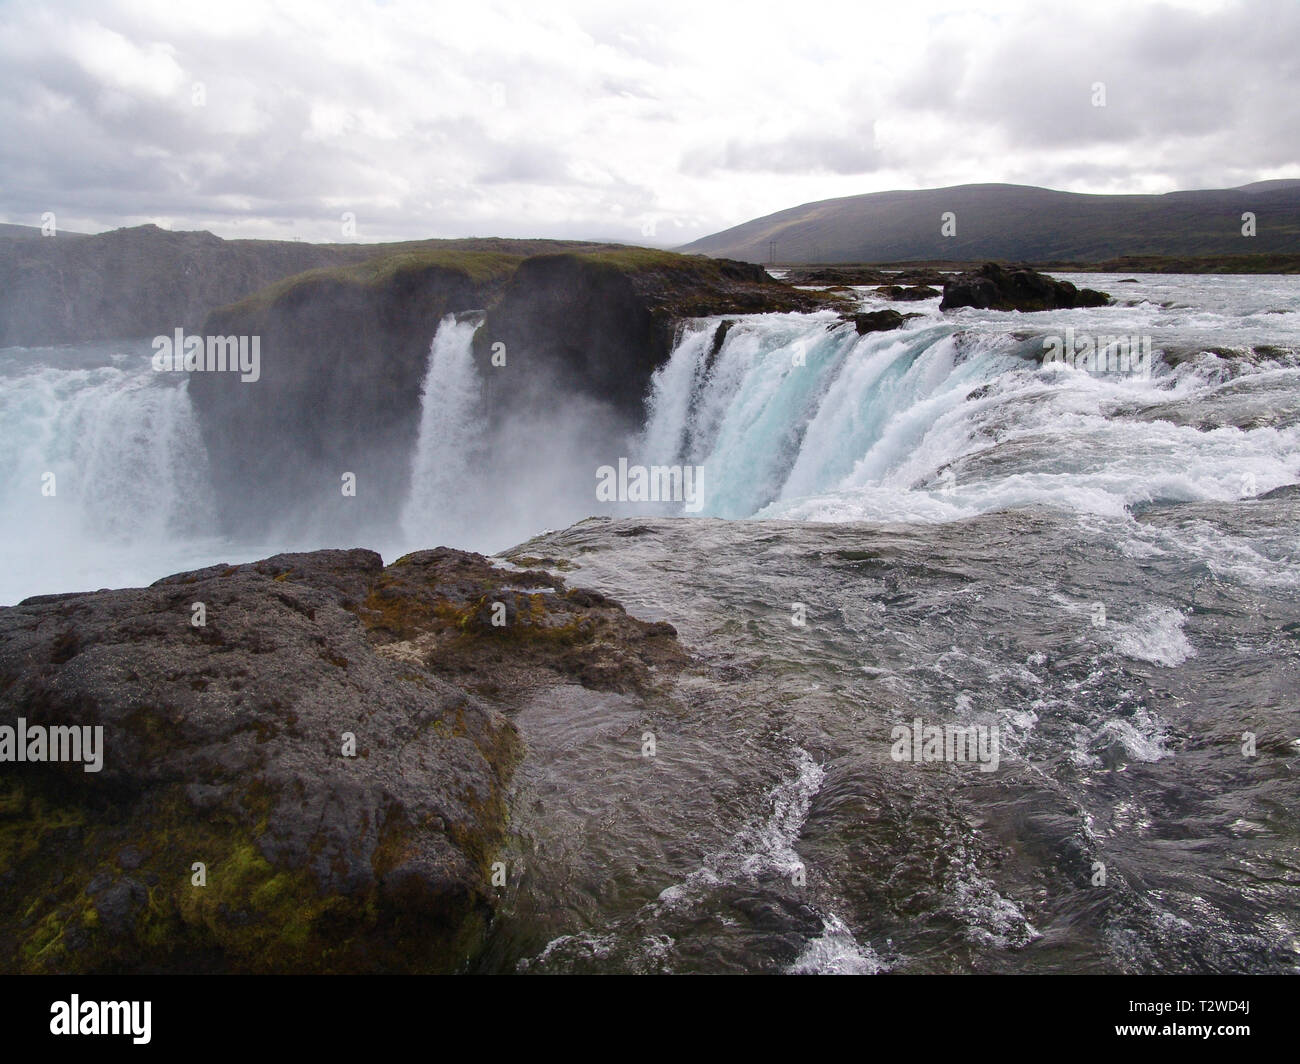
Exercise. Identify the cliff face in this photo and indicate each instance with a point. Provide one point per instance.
(600, 324)
(344, 353)
(332, 746)
(146, 281)
(343, 357)
(142, 281)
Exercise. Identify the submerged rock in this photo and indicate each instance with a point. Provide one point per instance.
(995, 287)
(313, 779)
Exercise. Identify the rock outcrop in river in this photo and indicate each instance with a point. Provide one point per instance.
(995, 287)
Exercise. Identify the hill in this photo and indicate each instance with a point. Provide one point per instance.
(1017, 223)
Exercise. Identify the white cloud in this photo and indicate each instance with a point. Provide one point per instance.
(146, 69)
(589, 119)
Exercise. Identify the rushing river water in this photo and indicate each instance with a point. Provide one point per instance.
(1090, 564)
(1121, 746)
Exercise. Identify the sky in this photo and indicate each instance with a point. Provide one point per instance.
(651, 123)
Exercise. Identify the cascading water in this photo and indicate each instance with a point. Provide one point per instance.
(103, 475)
(790, 416)
(440, 508)
(799, 418)
(786, 410)
(486, 479)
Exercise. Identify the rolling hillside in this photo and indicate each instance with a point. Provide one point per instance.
(1017, 222)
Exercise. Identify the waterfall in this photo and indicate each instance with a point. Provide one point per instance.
(788, 408)
(103, 474)
(799, 417)
(449, 452)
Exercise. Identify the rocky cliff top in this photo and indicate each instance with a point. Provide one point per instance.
(146, 281)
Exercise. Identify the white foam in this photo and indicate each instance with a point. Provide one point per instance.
(1143, 736)
(1157, 636)
(989, 919)
(132, 500)
(836, 952)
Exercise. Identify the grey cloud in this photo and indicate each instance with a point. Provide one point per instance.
(626, 124)
(797, 153)
(1168, 73)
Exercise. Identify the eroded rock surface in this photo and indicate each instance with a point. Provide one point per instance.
(226, 745)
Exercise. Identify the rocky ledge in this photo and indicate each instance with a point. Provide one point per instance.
(305, 760)
(995, 287)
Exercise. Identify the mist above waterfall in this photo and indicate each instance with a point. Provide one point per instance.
(485, 479)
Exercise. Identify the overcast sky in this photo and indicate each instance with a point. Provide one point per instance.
(643, 122)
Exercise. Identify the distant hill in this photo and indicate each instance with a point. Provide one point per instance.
(1017, 223)
(9, 231)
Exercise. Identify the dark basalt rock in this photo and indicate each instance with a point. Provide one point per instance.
(907, 295)
(837, 275)
(995, 287)
(878, 321)
(921, 277)
(223, 745)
